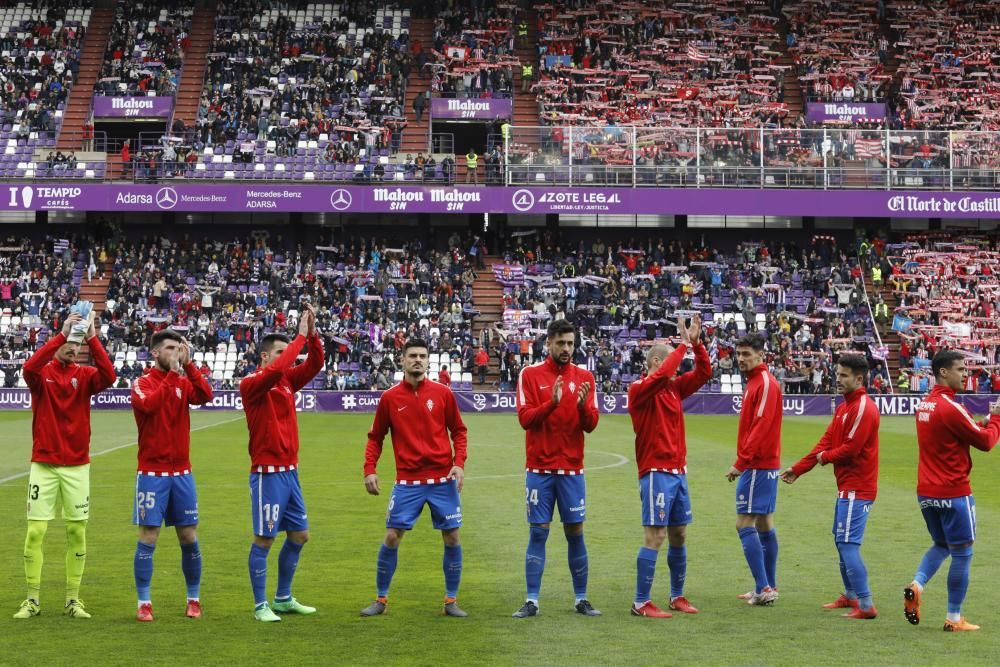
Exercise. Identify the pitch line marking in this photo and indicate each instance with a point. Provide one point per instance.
(19, 475)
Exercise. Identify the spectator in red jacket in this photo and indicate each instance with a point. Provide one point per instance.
(482, 363)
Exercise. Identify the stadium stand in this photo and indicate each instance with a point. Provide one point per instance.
(839, 51)
(474, 50)
(145, 50)
(612, 68)
(945, 294)
(311, 93)
(947, 75)
(810, 304)
(40, 45)
(38, 283)
(229, 294)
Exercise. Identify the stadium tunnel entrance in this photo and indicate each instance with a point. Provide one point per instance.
(449, 136)
(140, 133)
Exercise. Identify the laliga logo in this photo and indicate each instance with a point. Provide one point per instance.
(341, 199)
(348, 402)
(523, 200)
(610, 402)
(166, 198)
(737, 403)
(479, 402)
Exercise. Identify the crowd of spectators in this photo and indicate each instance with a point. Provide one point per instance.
(39, 59)
(808, 300)
(681, 66)
(370, 297)
(809, 303)
(473, 51)
(948, 72)
(145, 49)
(323, 88)
(839, 50)
(947, 297)
(39, 281)
(661, 70)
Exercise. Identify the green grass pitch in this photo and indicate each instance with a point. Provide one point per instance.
(337, 570)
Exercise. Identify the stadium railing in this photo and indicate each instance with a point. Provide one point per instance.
(625, 156)
(826, 158)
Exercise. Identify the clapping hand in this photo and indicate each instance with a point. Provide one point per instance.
(582, 393)
(557, 391)
(71, 321)
(304, 325)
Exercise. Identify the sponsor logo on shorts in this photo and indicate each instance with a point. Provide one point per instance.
(935, 502)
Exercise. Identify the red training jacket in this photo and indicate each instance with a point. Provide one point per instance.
(945, 431)
(420, 420)
(758, 442)
(160, 401)
(60, 402)
(554, 434)
(269, 404)
(654, 404)
(850, 443)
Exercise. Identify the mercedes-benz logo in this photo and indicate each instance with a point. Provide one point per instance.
(166, 198)
(341, 199)
(523, 200)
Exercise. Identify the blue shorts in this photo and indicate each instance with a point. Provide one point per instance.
(757, 491)
(950, 520)
(407, 502)
(171, 500)
(849, 520)
(665, 499)
(276, 503)
(543, 492)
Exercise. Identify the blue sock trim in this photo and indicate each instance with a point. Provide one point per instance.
(931, 563)
(534, 560)
(857, 573)
(257, 564)
(848, 587)
(143, 569)
(191, 567)
(645, 566)
(958, 577)
(385, 567)
(677, 561)
(579, 564)
(754, 554)
(769, 545)
(452, 564)
(288, 562)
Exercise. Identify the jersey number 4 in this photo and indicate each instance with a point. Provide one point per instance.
(660, 501)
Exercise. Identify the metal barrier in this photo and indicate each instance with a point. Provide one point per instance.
(828, 159)
(674, 157)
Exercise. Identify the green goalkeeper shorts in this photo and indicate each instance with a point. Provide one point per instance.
(51, 485)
